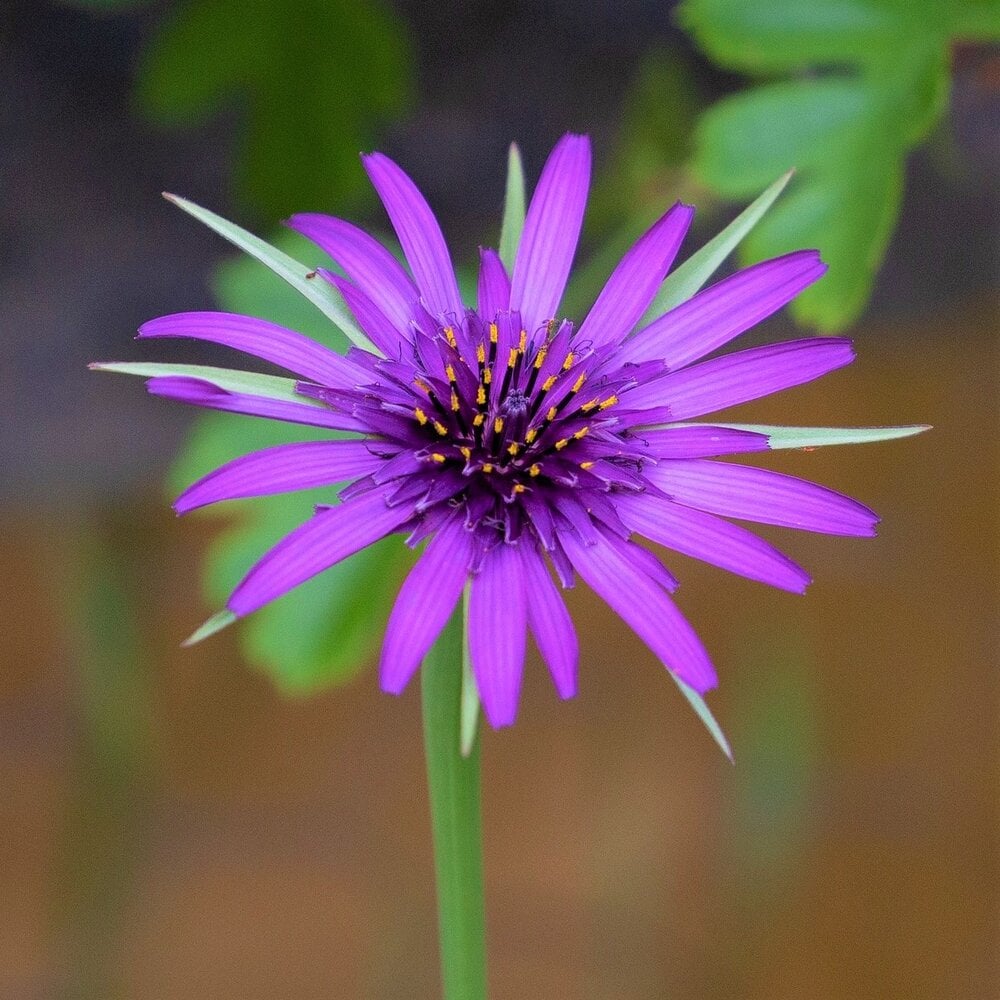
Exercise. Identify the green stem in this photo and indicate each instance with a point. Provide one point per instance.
(453, 781)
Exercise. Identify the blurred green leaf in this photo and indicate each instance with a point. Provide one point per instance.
(314, 78)
(324, 631)
(877, 83)
(303, 279)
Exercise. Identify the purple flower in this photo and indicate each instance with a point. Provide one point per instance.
(516, 444)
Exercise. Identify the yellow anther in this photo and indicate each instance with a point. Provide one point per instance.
(421, 416)
(477, 420)
(581, 433)
(548, 383)
(449, 335)
(530, 436)
(535, 470)
(455, 404)
(487, 467)
(587, 465)
(561, 443)
(437, 457)
(481, 354)
(610, 401)
(568, 363)
(421, 384)
(513, 449)
(440, 428)
(540, 356)
(450, 373)
(481, 396)
(466, 452)
(578, 384)
(512, 357)
(498, 425)
(487, 376)
(519, 488)
(522, 342)
(552, 413)
(494, 333)
(588, 406)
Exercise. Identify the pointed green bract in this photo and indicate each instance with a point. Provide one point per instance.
(227, 379)
(705, 714)
(818, 437)
(218, 621)
(683, 282)
(513, 209)
(469, 716)
(304, 280)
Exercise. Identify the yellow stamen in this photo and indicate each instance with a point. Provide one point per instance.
(487, 467)
(522, 342)
(587, 407)
(498, 425)
(420, 384)
(540, 356)
(450, 373)
(421, 416)
(535, 470)
(530, 436)
(581, 433)
(437, 457)
(578, 384)
(494, 333)
(455, 405)
(548, 383)
(610, 401)
(466, 452)
(487, 376)
(587, 465)
(477, 420)
(449, 335)
(519, 488)
(553, 412)
(568, 363)
(512, 357)
(514, 448)
(481, 354)
(440, 428)
(561, 443)
(481, 397)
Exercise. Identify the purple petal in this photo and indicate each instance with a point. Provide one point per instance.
(198, 392)
(366, 262)
(269, 341)
(281, 469)
(610, 571)
(497, 621)
(329, 536)
(425, 602)
(635, 281)
(737, 378)
(701, 442)
(761, 495)
(703, 536)
(716, 315)
(382, 332)
(550, 622)
(494, 285)
(551, 231)
(419, 234)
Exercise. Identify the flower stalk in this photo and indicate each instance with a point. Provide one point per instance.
(454, 785)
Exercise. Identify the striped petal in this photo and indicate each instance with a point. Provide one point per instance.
(285, 348)
(550, 622)
(701, 442)
(425, 602)
(718, 314)
(710, 539)
(551, 232)
(364, 260)
(635, 281)
(737, 378)
(497, 623)
(325, 539)
(610, 571)
(380, 329)
(752, 494)
(494, 285)
(198, 392)
(281, 469)
(419, 235)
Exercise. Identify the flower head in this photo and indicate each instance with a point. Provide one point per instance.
(511, 440)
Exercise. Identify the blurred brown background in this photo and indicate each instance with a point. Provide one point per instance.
(171, 827)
